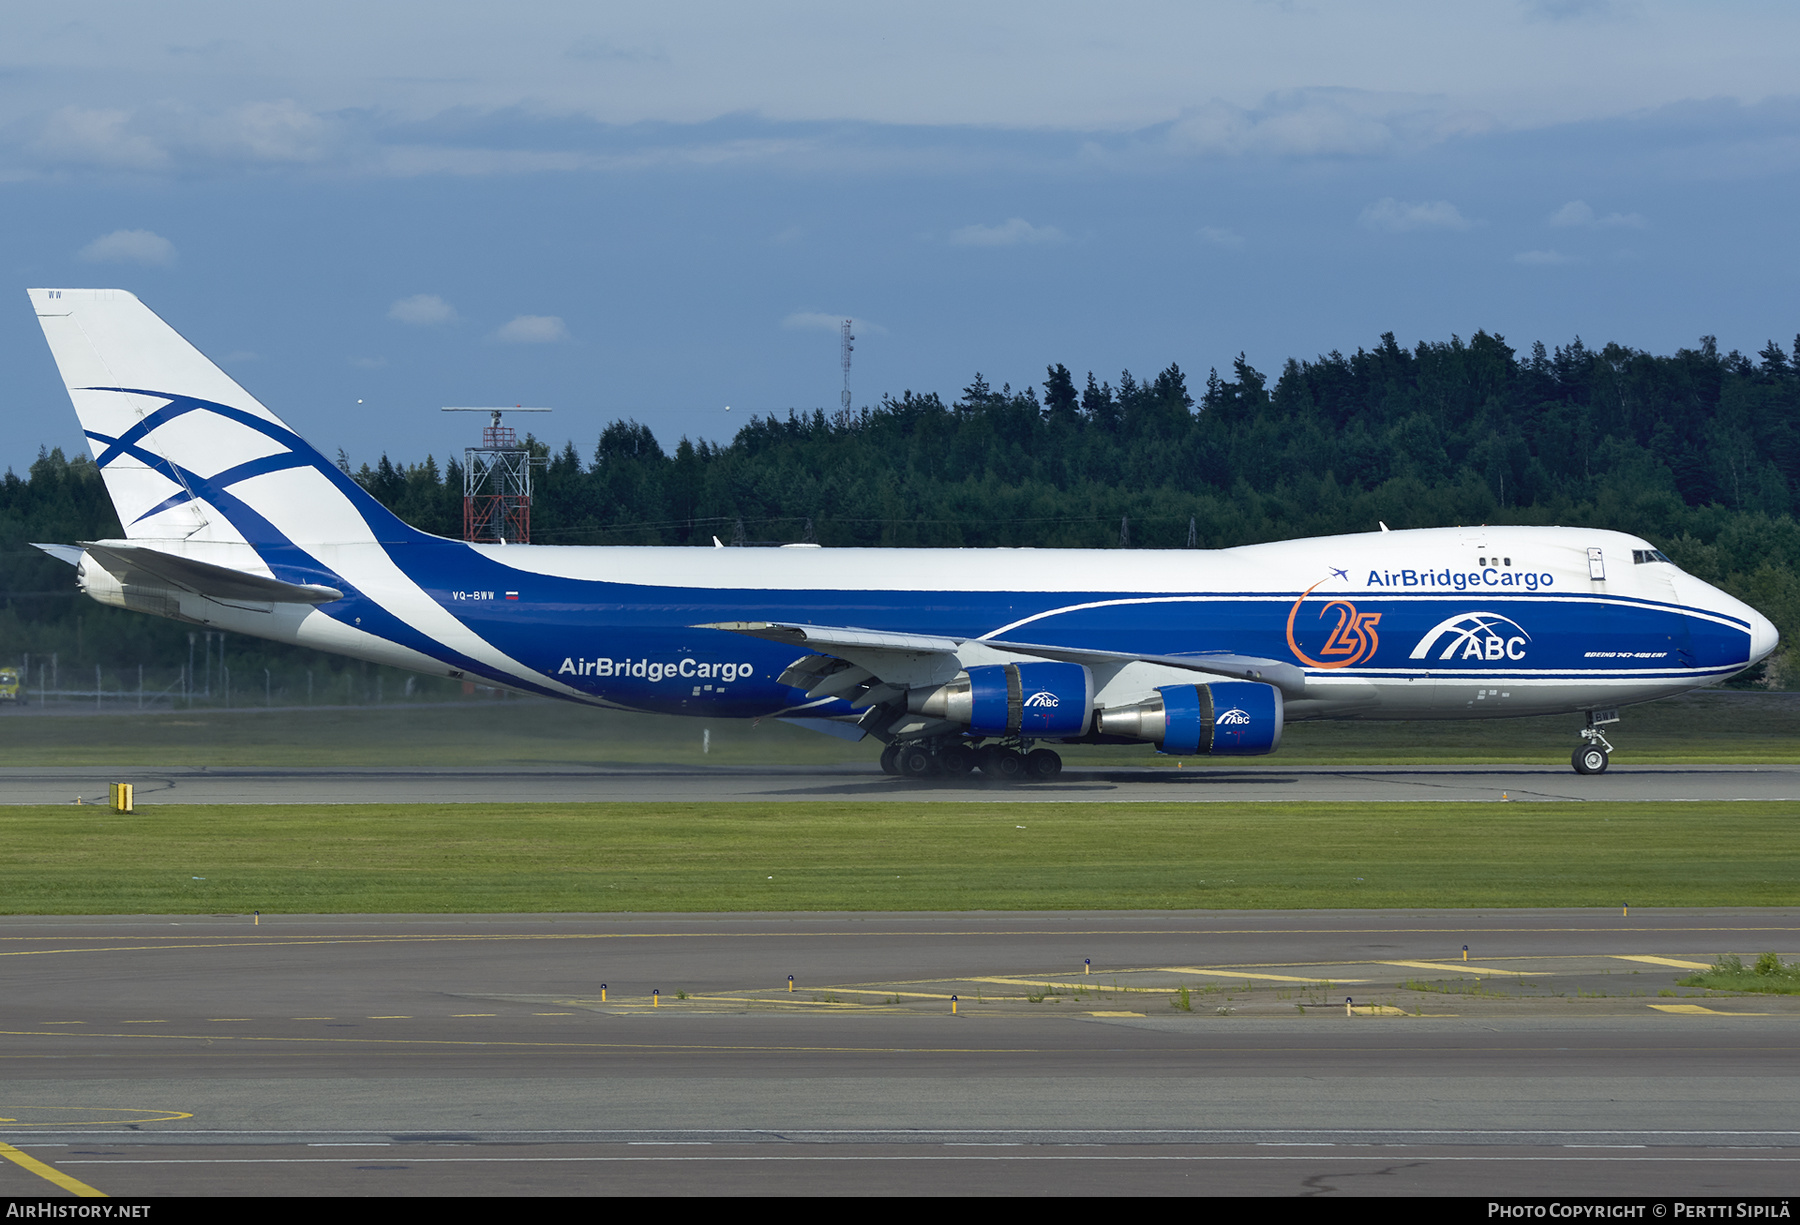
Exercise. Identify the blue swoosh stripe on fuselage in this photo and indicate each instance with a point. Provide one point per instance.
(558, 618)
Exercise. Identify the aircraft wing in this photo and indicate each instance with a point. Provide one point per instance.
(893, 660)
(1285, 677)
(907, 660)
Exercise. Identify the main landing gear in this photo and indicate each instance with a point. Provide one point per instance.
(954, 759)
(1595, 753)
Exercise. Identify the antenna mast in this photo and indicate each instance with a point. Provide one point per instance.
(497, 482)
(849, 346)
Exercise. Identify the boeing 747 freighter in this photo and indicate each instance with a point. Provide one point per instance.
(952, 658)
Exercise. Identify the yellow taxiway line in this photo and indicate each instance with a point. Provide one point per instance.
(74, 1186)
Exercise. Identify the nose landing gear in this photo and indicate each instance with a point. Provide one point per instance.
(1593, 756)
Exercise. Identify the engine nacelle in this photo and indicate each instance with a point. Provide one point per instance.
(1036, 700)
(1225, 718)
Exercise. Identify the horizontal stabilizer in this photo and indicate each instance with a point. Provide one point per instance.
(205, 579)
(67, 553)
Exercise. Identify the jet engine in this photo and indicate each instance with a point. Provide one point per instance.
(1035, 700)
(1225, 718)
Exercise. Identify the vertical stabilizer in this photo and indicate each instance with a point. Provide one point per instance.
(186, 453)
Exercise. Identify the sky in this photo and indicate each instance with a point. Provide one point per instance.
(365, 213)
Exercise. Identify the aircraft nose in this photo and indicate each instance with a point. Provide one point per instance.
(1763, 636)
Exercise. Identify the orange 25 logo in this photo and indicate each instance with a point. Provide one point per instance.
(1351, 641)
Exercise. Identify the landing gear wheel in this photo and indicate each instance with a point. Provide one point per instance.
(890, 759)
(1006, 765)
(1042, 765)
(956, 760)
(1590, 759)
(917, 762)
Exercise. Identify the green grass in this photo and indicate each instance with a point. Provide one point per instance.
(884, 856)
(1712, 726)
(1768, 976)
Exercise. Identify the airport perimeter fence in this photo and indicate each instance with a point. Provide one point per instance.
(44, 687)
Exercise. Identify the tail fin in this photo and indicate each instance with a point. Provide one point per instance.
(186, 453)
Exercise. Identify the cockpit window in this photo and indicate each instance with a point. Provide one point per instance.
(1640, 556)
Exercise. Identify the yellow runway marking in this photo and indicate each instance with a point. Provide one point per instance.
(1274, 978)
(1115, 1014)
(32, 1116)
(74, 1186)
(1456, 966)
(911, 995)
(1662, 961)
(1094, 988)
(1695, 1010)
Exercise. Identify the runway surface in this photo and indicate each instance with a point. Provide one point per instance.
(1087, 1053)
(1235, 784)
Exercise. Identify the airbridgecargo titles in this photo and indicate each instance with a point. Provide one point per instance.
(1462, 580)
(952, 659)
(654, 670)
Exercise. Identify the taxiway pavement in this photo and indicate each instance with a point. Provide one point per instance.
(478, 1054)
(1213, 782)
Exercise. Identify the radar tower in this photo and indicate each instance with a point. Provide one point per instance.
(497, 482)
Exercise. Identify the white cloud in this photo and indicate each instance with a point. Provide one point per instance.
(826, 321)
(422, 308)
(1578, 214)
(533, 330)
(157, 138)
(1221, 237)
(281, 131)
(1009, 65)
(1401, 216)
(1543, 259)
(1219, 127)
(103, 138)
(1322, 122)
(1013, 232)
(130, 247)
